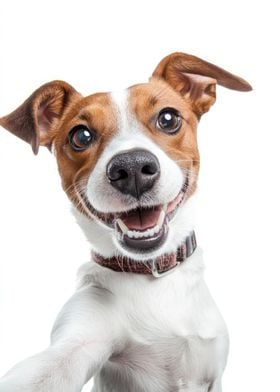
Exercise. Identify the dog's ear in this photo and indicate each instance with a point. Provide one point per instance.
(196, 79)
(33, 120)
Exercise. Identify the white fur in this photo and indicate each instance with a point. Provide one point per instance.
(130, 136)
(105, 198)
(142, 325)
(132, 332)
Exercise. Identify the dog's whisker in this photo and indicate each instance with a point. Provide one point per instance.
(130, 266)
(77, 191)
(187, 160)
(120, 262)
(148, 265)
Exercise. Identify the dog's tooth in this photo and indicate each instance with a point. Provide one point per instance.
(144, 234)
(147, 233)
(156, 229)
(122, 226)
(165, 207)
(161, 218)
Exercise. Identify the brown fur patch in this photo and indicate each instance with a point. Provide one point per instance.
(49, 114)
(182, 146)
(97, 113)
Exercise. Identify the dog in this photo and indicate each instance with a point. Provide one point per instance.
(142, 318)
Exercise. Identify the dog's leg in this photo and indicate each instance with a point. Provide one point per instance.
(81, 342)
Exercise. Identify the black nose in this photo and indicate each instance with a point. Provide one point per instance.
(133, 172)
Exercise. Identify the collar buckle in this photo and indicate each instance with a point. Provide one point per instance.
(158, 274)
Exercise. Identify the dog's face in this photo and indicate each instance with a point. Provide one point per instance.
(128, 161)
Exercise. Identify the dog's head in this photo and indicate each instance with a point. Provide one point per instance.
(128, 161)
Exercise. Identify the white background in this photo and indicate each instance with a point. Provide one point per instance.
(107, 45)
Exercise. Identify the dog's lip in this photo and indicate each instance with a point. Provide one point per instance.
(144, 244)
(142, 229)
(111, 218)
(151, 231)
(150, 219)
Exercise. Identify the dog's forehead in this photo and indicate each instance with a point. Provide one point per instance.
(156, 93)
(139, 101)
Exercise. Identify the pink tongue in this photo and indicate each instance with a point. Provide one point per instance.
(141, 219)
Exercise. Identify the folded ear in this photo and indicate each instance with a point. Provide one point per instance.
(33, 120)
(196, 79)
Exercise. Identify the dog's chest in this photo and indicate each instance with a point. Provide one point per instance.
(169, 339)
(164, 365)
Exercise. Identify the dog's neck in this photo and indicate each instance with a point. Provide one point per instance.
(158, 267)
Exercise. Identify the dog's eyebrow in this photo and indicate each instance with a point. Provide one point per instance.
(85, 116)
(153, 100)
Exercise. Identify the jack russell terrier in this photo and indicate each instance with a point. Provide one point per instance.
(142, 318)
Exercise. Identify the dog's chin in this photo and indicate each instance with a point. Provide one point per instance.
(143, 230)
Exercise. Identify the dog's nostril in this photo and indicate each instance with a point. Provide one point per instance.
(149, 169)
(118, 175)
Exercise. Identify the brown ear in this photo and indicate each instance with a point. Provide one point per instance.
(196, 79)
(33, 119)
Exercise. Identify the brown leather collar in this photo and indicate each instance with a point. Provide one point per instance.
(161, 266)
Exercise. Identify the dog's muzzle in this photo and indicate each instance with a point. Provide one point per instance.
(143, 227)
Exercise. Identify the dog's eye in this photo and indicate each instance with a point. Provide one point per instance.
(169, 120)
(80, 137)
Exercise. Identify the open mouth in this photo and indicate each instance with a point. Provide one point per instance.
(144, 228)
